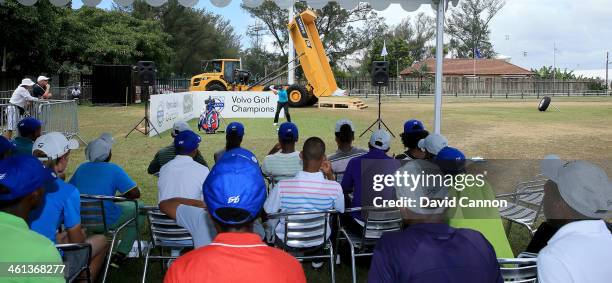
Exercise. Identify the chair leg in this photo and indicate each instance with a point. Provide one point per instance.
(353, 267)
(146, 264)
(110, 255)
(332, 262)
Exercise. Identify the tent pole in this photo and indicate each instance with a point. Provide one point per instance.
(439, 61)
(291, 54)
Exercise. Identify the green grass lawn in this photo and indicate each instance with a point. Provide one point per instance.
(491, 128)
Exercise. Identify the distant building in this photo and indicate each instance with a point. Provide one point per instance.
(481, 68)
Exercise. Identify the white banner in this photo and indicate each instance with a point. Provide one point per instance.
(165, 109)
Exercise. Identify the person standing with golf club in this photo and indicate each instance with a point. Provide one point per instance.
(283, 102)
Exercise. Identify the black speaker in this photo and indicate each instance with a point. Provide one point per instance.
(145, 73)
(380, 73)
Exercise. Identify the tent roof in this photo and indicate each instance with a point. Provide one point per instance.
(408, 5)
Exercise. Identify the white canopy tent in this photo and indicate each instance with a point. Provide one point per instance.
(379, 5)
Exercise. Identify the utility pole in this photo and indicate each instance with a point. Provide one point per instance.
(607, 66)
(554, 65)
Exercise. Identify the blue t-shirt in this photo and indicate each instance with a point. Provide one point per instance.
(434, 253)
(61, 204)
(282, 96)
(103, 178)
(23, 146)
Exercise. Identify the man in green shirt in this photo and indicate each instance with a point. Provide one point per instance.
(29, 130)
(21, 190)
(168, 153)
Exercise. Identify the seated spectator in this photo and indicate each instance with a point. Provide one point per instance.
(414, 131)
(364, 167)
(429, 250)
(42, 88)
(283, 161)
(191, 214)
(485, 220)
(309, 190)
(168, 153)
(577, 196)
(432, 144)
(234, 132)
(21, 191)
(345, 135)
(182, 176)
(61, 205)
(16, 109)
(99, 176)
(234, 193)
(6, 148)
(29, 130)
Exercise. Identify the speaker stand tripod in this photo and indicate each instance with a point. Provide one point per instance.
(145, 121)
(378, 121)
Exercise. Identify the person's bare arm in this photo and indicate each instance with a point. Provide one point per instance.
(276, 148)
(326, 168)
(134, 193)
(76, 234)
(47, 93)
(169, 206)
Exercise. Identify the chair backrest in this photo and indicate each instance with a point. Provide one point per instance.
(165, 232)
(92, 213)
(379, 221)
(306, 229)
(75, 253)
(519, 270)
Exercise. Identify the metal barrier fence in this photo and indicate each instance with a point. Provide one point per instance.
(56, 115)
(59, 93)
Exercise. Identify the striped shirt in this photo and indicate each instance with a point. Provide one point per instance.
(306, 192)
(340, 160)
(282, 166)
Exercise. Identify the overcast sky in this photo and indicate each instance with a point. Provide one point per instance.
(581, 29)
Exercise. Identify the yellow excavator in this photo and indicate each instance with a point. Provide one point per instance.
(228, 75)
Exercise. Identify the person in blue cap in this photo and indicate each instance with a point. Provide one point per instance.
(485, 220)
(22, 181)
(234, 132)
(6, 148)
(29, 130)
(283, 161)
(234, 194)
(414, 131)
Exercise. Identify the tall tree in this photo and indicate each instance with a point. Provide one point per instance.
(417, 32)
(195, 34)
(468, 27)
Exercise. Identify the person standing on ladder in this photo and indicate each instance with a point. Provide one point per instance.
(283, 102)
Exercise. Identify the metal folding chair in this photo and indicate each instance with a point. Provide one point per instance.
(519, 270)
(377, 222)
(93, 217)
(82, 251)
(165, 233)
(308, 229)
(524, 204)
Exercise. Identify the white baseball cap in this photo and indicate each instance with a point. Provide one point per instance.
(27, 82)
(54, 145)
(343, 122)
(380, 139)
(42, 78)
(584, 186)
(433, 143)
(180, 126)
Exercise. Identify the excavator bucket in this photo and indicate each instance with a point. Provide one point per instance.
(314, 62)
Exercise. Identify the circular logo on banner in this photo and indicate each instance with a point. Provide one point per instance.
(160, 115)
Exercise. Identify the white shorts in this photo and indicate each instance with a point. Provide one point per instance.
(12, 117)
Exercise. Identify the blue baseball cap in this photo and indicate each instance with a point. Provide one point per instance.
(413, 126)
(450, 154)
(235, 190)
(243, 152)
(186, 142)
(6, 145)
(235, 127)
(288, 132)
(28, 126)
(450, 160)
(22, 175)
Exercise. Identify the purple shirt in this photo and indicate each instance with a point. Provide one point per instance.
(358, 176)
(434, 253)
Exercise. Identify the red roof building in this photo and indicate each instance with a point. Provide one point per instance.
(471, 67)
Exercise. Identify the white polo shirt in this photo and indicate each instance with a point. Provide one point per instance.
(20, 96)
(579, 252)
(181, 177)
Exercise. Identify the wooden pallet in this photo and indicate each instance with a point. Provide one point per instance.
(341, 102)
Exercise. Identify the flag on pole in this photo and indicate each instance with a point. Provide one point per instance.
(384, 52)
(477, 53)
